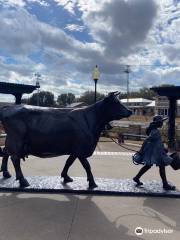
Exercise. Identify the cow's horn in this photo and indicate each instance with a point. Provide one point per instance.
(112, 93)
(116, 93)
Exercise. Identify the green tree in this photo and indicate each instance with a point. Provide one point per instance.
(166, 85)
(25, 101)
(46, 99)
(146, 93)
(88, 97)
(65, 98)
(70, 98)
(142, 93)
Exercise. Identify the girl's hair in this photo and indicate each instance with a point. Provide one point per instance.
(152, 126)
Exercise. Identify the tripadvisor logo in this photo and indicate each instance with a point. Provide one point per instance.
(139, 231)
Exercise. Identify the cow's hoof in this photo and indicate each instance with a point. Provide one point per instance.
(92, 185)
(67, 179)
(23, 183)
(6, 174)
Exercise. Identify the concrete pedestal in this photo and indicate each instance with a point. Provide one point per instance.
(106, 186)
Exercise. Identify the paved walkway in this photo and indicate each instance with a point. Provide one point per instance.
(70, 217)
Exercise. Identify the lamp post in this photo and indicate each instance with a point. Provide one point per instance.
(127, 71)
(38, 78)
(95, 76)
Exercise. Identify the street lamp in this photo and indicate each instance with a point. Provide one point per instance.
(95, 76)
(38, 78)
(127, 71)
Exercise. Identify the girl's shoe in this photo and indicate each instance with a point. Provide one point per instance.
(169, 187)
(137, 181)
(67, 179)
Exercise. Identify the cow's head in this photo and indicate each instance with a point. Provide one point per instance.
(114, 108)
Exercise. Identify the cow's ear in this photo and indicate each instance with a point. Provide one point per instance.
(111, 96)
(108, 98)
(116, 94)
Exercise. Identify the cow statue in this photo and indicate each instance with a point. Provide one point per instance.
(49, 132)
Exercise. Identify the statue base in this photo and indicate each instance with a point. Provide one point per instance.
(106, 186)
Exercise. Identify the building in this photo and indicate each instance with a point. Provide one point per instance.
(142, 106)
(162, 106)
(139, 106)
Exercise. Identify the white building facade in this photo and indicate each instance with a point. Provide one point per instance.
(142, 106)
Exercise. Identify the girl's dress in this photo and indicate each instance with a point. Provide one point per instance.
(153, 151)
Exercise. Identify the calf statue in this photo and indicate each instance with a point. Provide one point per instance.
(49, 132)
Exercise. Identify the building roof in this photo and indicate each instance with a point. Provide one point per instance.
(135, 100)
(152, 104)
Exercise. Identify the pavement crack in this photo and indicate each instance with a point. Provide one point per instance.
(73, 219)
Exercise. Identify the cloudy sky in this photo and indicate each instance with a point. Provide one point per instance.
(63, 40)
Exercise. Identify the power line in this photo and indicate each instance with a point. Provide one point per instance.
(149, 65)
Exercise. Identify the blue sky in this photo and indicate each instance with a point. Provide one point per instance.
(63, 40)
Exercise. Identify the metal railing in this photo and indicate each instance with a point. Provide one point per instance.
(134, 136)
(3, 135)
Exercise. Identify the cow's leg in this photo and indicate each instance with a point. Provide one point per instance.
(4, 166)
(64, 174)
(90, 177)
(19, 175)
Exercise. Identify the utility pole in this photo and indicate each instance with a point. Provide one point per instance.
(127, 71)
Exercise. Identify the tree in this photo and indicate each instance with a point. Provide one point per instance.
(65, 99)
(88, 97)
(166, 85)
(142, 93)
(46, 99)
(146, 93)
(25, 101)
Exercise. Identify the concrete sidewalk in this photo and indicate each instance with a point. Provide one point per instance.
(70, 217)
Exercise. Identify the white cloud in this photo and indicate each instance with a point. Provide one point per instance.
(172, 53)
(123, 32)
(22, 3)
(120, 26)
(68, 5)
(81, 5)
(40, 2)
(166, 33)
(74, 28)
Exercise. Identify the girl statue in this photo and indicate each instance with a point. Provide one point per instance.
(154, 152)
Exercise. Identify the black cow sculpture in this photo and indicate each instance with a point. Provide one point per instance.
(50, 132)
